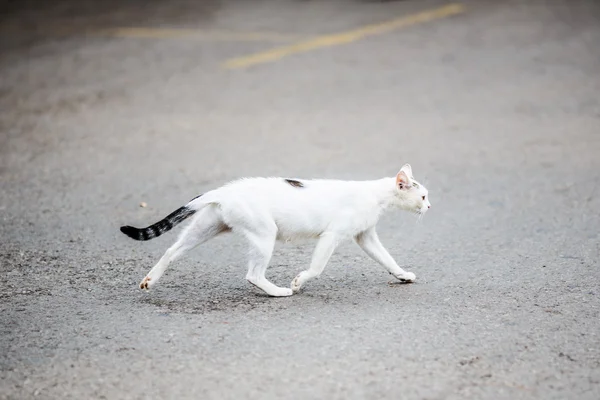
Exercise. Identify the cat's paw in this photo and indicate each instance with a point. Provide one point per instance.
(282, 292)
(297, 283)
(146, 283)
(406, 277)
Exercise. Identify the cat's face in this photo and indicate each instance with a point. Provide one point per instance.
(412, 195)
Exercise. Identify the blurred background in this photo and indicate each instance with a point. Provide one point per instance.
(108, 105)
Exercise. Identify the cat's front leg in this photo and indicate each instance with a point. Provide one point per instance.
(369, 242)
(325, 247)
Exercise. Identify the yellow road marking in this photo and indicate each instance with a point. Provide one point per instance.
(169, 33)
(344, 37)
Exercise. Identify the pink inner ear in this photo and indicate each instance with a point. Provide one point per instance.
(402, 179)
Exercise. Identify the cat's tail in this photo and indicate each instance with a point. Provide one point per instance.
(165, 224)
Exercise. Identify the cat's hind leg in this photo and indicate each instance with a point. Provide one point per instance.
(325, 247)
(205, 225)
(261, 250)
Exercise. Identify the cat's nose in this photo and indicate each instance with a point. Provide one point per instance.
(429, 206)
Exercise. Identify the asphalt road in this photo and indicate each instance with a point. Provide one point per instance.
(496, 107)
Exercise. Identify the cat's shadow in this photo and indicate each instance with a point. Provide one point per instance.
(179, 299)
(208, 297)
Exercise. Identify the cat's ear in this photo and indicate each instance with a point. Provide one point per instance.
(402, 180)
(407, 170)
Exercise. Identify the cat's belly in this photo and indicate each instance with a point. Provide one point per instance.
(284, 235)
(308, 223)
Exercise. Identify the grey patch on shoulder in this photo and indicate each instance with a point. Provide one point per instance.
(295, 183)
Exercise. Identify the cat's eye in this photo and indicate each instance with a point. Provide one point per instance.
(423, 197)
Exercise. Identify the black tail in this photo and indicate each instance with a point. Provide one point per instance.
(160, 227)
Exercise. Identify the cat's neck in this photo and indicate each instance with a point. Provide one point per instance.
(385, 191)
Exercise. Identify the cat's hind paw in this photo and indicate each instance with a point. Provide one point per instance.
(297, 283)
(283, 292)
(145, 283)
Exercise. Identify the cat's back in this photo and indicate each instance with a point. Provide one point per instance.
(299, 207)
(276, 190)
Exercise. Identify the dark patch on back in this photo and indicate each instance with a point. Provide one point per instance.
(295, 183)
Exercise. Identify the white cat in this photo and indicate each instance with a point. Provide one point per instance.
(264, 210)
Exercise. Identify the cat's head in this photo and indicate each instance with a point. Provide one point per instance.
(412, 196)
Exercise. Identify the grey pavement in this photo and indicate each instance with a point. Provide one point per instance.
(497, 110)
